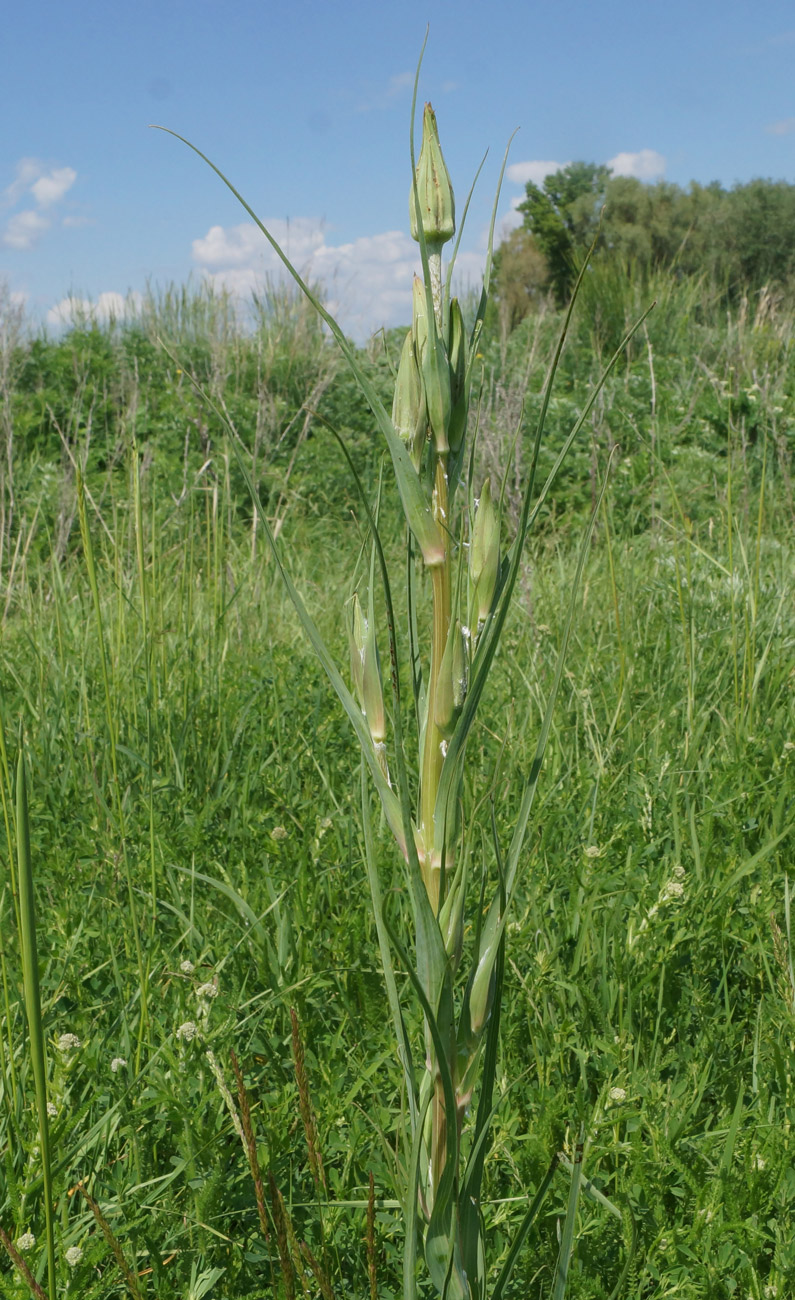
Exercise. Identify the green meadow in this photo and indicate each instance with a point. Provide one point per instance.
(227, 1108)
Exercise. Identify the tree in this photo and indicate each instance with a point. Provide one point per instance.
(563, 217)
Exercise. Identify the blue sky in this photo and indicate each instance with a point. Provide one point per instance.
(306, 109)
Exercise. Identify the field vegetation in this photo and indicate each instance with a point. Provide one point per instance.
(225, 1094)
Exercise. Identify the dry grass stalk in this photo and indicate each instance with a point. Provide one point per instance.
(251, 1146)
(22, 1267)
(305, 1106)
(113, 1242)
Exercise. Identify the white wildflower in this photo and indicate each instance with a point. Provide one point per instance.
(617, 1094)
(117, 1063)
(26, 1242)
(187, 967)
(670, 890)
(679, 871)
(187, 1031)
(68, 1042)
(207, 991)
(592, 851)
(278, 833)
(52, 1109)
(73, 1256)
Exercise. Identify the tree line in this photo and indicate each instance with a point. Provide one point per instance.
(740, 238)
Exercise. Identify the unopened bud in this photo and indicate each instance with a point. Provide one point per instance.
(435, 193)
(484, 554)
(434, 368)
(409, 411)
(452, 683)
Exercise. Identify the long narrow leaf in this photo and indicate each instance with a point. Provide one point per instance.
(411, 1209)
(567, 1237)
(404, 1048)
(416, 505)
(522, 1231)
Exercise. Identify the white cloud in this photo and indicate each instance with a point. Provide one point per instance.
(46, 186)
(366, 284)
(537, 171)
(27, 170)
(48, 189)
(785, 126)
(240, 245)
(24, 229)
(645, 165)
(79, 311)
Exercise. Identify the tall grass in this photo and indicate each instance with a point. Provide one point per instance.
(648, 991)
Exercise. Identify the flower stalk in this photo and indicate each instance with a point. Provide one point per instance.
(449, 659)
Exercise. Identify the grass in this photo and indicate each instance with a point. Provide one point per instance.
(186, 760)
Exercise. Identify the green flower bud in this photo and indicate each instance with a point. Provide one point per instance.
(484, 554)
(452, 684)
(457, 352)
(434, 368)
(409, 411)
(437, 204)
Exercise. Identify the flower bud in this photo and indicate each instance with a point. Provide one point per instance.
(452, 684)
(435, 193)
(484, 554)
(409, 411)
(457, 352)
(434, 368)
